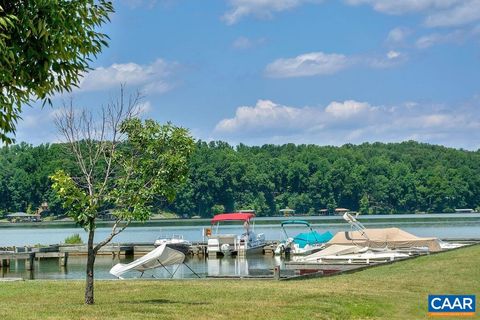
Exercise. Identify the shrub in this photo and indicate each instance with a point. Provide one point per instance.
(74, 239)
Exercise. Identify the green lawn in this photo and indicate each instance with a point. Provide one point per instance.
(396, 291)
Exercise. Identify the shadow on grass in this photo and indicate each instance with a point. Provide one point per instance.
(166, 301)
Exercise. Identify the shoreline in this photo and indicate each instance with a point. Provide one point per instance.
(315, 220)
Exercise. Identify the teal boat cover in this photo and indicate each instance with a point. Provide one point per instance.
(311, 238)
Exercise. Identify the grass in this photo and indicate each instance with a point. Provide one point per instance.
(396, 291)
(74, 239)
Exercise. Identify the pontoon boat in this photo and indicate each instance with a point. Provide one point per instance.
(231, 244)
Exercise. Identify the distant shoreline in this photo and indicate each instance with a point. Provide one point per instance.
(428, 217)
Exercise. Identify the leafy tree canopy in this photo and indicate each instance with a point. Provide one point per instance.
(371, 178)
(45, 46)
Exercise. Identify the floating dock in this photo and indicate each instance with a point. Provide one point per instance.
(61, 252)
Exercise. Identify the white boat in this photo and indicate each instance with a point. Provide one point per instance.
(159, 257)
(353, 254)
(392, 238)
(450, 245)
(334, 250)
(304, 243)
(231, 244)
(175, 241)
(367, 257)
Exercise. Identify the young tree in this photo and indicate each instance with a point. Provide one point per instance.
(45, 47)
(125, 164)
(364, 206)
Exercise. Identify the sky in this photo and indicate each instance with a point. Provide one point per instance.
(277, 71)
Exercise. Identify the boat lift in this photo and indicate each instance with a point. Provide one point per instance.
(355, 224)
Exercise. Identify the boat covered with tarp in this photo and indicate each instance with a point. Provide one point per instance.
(391, 238)
(304, 242)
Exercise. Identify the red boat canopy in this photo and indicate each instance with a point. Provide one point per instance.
(236, 216)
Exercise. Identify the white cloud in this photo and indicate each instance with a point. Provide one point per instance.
(309, 64)
(427, 41)
(352, 121)
(347, 108)
(143, 108)
(436, 120)
(242, 42)
(398, 35)
(465, 12)
(260, 8)
(390, 59)
(405, 6)
(268, 115)
(152, 78)
(430, 40)
(319, 63)
(438, 13)
(393, 54)
(265, 115)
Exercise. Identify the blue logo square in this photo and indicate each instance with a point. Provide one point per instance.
(451, 303)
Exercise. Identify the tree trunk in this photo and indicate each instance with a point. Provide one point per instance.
(89, 298)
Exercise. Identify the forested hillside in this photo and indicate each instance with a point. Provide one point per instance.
(371, 178)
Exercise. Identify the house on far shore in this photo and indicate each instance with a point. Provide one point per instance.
(23, 217)
(341, 211)
(464, 211)
(287, 212)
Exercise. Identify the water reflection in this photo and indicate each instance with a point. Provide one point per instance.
(227, 266)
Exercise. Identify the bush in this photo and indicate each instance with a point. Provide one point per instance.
(74, 239)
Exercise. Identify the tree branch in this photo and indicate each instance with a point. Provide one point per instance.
(112, 234)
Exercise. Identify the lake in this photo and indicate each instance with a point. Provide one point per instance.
(443, 226)
(49, 268)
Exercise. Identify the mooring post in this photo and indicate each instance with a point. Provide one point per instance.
(129, 252)
(64, 259)
(276, 273)
(29, 263)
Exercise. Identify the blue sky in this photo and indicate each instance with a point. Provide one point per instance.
(303, 71)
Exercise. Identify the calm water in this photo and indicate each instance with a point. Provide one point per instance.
(462, 226)
(49, 268)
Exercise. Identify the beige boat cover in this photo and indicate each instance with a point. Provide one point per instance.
(391, 238)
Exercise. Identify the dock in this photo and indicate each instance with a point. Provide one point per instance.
(119, 250)
(291, 270)
(6, 257)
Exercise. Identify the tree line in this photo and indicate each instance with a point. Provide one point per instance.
(373, 178)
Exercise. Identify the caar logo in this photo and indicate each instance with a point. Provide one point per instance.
(451, 305)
